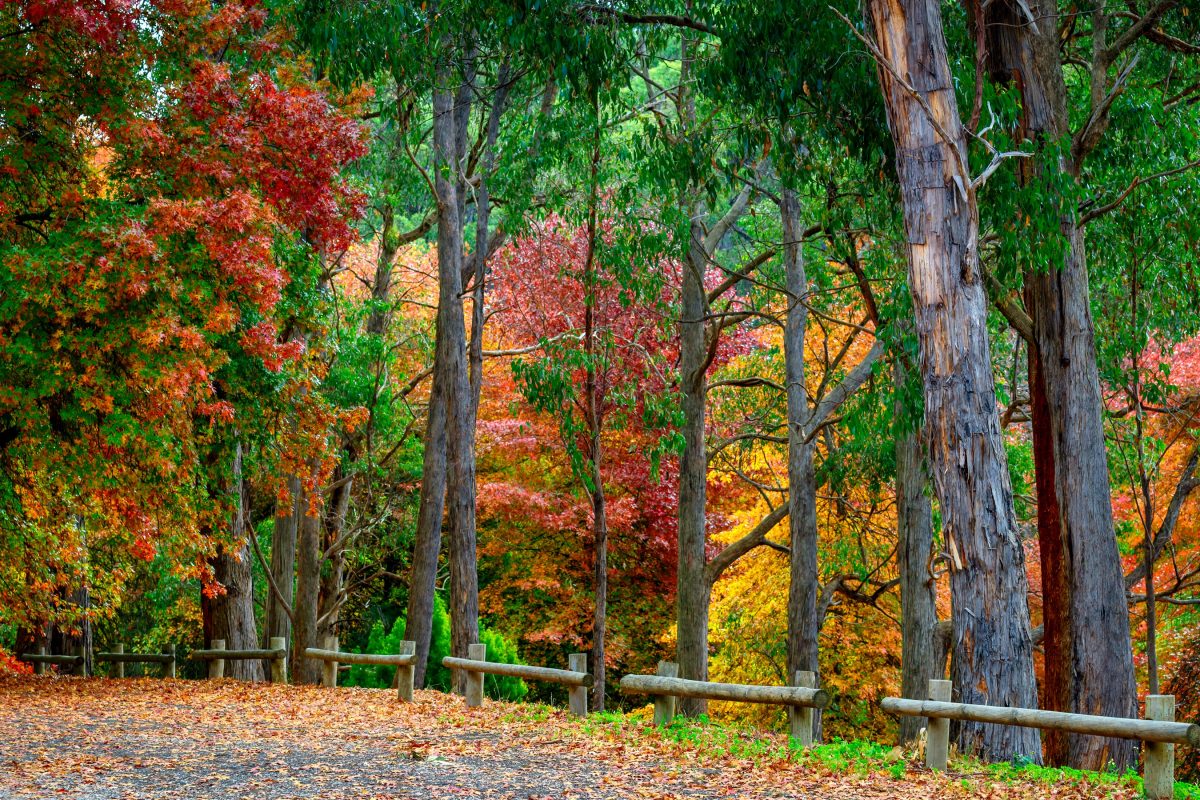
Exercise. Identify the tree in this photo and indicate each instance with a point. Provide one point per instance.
(993, 656)
(603, 346)
(142, 297)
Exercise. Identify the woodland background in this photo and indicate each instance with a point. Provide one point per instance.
(569, 327)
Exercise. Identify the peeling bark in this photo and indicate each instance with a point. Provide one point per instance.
(993, 662)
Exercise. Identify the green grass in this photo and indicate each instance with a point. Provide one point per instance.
(855, 756)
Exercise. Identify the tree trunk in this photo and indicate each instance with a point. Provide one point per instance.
(600, 618)
(803, 586)
(693, 591)
(428, 541)
(1089, 665)
(283, 563)
(1056, 593)
(337, 508)
(231, 615)
(993, 662)
(451, 361)
(308, 592)
(920, 643)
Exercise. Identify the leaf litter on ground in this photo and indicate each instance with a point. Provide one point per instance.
(103, 739)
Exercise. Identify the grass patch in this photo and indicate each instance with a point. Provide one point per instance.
(716, 740)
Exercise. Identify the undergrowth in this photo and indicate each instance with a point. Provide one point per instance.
(715, 740)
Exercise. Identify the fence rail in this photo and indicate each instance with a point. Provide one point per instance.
(1159, 730)
(802, 699)
(476, 666)
(218, 655)
(404, 662)
(118, 656)
(40, 659)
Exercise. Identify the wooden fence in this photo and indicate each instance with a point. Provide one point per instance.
(78, 662)
(218, 655)
(404, 662)
(801, 699)
(1159, 730)
(576, 676)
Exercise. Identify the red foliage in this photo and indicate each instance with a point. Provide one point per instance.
(166, 162)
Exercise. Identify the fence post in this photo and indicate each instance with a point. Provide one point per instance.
(216, 667)
(578, 695)
(474, 694)
(120, 648)
(405, 672)
(40, 668)
(937, 731)
(1159, 780)
(279, 663)
(664, 704)
(80, 665)
(801, 717)
(329, 668)
(169, 667)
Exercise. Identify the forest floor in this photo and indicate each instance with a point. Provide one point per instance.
(102, 739)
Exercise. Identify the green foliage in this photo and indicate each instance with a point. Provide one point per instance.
(499, 650)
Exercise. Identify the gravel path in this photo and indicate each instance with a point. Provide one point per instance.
(106, 740)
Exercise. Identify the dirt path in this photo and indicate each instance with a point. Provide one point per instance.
(104, 739)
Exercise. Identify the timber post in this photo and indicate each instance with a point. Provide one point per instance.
(329, 668)
(169, 666)
(474, 693)
(1159, 778)
(81, 662)
(279, 663)
(39, 668)
(664, 704)
(405, 673)
(578, 695)
(119, 649)
(937, 731)
(800, 718)
(216, 667)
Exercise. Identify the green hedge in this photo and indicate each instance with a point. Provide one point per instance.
(499, 650)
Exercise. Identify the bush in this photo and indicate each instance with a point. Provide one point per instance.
(499, 650)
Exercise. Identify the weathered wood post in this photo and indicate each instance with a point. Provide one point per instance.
(329, 668)
(1159, 780)
(937, 731)
(279, 663)
(169, 666)
(216, 667)
(801, 718)
(578, 695)
(119, 649)
(405, 672)
(664, 704)
(40, 668)
(80, 667)
(475, 652)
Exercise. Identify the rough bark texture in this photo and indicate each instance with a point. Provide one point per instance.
(231, 615)
(1056, 594)
(1089, 663)
(451, 363)
(283, 564)
(920, 644)
(993, 661)
(693, 590)
(308, 592)
(333, 548)
(803, 585)
(428, 541)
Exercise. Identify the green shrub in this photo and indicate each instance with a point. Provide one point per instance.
(499, 650)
